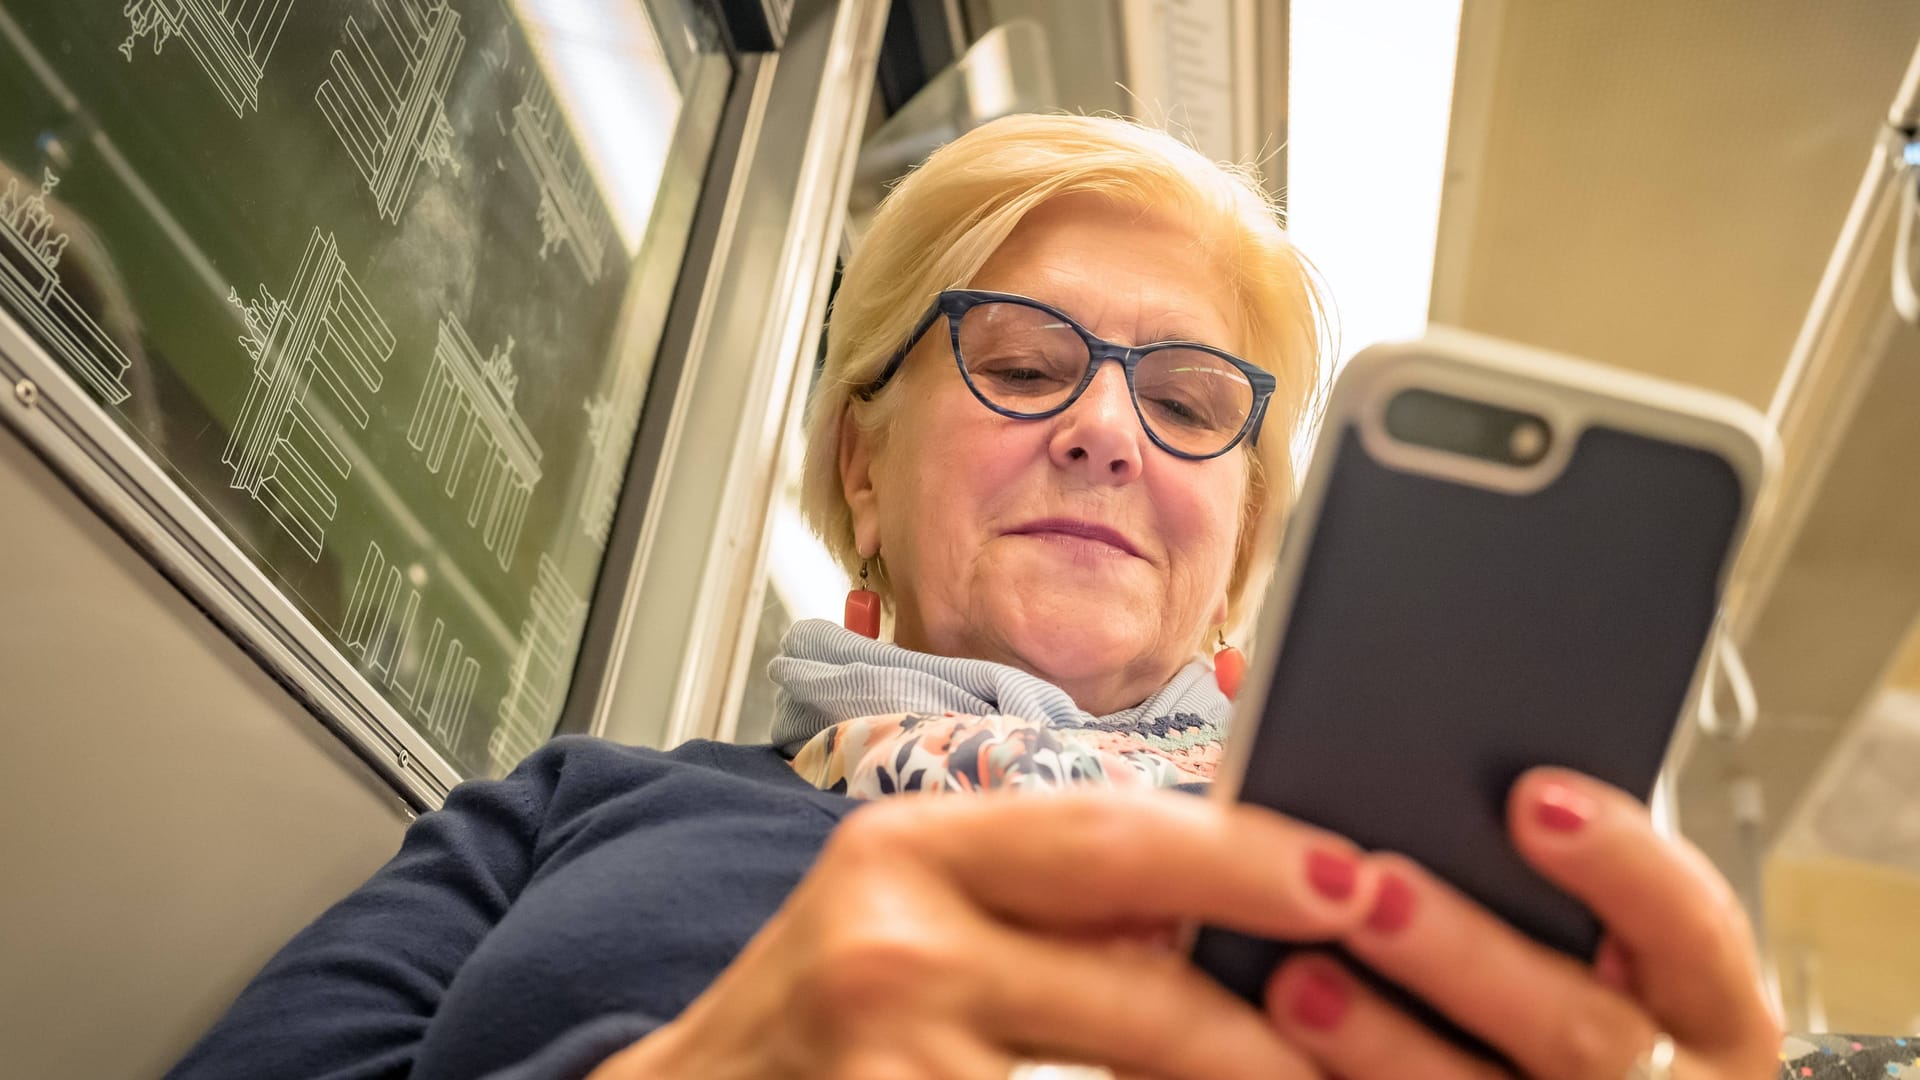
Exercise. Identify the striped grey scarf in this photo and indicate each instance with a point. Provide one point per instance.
(846, 694)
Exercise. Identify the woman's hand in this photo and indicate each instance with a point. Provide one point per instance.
(1677, 958)
(953, 937)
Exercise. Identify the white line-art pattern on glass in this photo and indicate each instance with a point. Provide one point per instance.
(324, 336)
(467, 404)
(571, 213)
(388, 105)
(433, 679)
(610, 434)
(612, 418)
(541, 668)
(30, 249)
(230, 38)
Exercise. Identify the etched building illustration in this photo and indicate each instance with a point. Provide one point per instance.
(30, 249)
(315, 351)
(612, 418)
(537, 683)
(610, 437)
(571, 213)
(467, 407)
(386, 99)
(433, 678)
(230, 38)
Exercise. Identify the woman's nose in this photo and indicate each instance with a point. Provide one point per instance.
(1101, 433)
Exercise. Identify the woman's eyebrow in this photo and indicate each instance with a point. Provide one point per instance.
(1180, 333)
(1171, 325)
(1175, 322)
(1175, 327)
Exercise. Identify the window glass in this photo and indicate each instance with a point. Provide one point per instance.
(365, 280)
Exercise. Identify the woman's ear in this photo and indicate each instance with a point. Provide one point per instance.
(856, 483)
(1220, 613)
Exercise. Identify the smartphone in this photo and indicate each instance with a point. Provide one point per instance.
(1501, 558)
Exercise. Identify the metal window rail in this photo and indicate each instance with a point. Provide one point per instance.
(1823, 376)
(678, 655)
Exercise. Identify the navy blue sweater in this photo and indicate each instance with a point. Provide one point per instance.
(539, 924)
(536, 924)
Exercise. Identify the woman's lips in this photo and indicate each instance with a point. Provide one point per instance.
(1078, 533)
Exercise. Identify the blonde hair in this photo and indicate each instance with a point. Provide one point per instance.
(940, 225)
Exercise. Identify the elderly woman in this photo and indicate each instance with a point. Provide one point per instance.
(1052, 440)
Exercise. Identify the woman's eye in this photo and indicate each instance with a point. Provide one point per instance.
(1022, 374)
(1024, 381)
(1175, 411)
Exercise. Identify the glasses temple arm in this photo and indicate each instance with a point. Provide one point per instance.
(865, 393)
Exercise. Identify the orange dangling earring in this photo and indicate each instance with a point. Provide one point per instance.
(863, 607)
(1229, 665)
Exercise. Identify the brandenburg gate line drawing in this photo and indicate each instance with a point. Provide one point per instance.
(230, 38)
(30, 248)
(388, 105)
(541, 668)
(314, 352)
(467, 406)
(437, 682)
(610, 428)
(571, 213)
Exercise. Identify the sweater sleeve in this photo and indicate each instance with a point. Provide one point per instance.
(581, 1050)
(352, 994)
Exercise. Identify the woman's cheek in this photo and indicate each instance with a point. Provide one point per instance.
(1211, 538)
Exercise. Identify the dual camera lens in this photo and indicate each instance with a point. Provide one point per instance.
(1473, 428)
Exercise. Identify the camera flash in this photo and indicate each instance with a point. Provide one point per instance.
(1528, 441)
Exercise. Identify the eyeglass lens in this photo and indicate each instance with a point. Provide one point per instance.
(1027, 362)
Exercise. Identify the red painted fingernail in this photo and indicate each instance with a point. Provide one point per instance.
(1321, 1001)
(1610, 967)
(1332, 875)
(1392, 905)
(1563, 809)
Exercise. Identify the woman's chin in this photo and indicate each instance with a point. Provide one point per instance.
(1076, 648)
(1070, 630)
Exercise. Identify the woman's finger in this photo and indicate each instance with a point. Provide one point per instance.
(1542, 1009)
(1318, 1006)
(1690, 946)
(1137, 1009)
(1059, 862)
(972, 915)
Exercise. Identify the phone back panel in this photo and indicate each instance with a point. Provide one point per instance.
(1444, 638)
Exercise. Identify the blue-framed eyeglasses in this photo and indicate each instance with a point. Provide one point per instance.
(1027, 360)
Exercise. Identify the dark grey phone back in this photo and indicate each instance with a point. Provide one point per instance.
(1444, 638)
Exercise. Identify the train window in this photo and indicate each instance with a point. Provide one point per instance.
(369, 295)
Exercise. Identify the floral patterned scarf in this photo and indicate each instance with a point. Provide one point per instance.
(870, 719)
